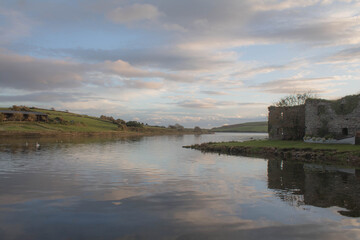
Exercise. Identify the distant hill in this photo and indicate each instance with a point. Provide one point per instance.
(243, 127)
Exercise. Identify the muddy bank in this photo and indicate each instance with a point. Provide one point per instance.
(321, 156)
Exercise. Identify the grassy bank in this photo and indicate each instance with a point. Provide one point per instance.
(290, 145)
(260, 127)
(66, 123)
(348, 155)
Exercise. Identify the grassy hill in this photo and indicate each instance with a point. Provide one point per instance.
(72, 123)
(66, 122)
(243, 127)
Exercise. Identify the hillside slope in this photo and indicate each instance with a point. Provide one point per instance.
(243, 127)
(66, 122)
(70, 122)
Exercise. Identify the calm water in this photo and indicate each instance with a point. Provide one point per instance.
(152, 188)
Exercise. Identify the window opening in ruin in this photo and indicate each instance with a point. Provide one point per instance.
(345, 131)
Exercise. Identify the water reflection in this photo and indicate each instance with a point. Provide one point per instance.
(320, 186)
(152, 188)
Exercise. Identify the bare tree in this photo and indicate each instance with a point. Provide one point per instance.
(295, 99)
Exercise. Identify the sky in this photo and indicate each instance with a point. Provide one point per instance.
(194, 62)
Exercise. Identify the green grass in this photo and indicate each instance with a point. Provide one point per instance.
(290, 145)
(243, 127)
(75, 123)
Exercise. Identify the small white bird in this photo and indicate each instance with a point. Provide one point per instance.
(37, 145)
(26, 144)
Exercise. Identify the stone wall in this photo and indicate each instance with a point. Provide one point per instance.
(286, 123)
(339, 119)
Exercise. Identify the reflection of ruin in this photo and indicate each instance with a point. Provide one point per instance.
(306, 184)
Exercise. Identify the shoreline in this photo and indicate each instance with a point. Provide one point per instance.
(306, 155)
(17, 134)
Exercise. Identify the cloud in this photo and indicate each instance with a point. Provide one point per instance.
(133, 13)
(46, 97)
(174, 58)
(143, 85)
(29, 73)
(289, 86)
(214, 92)
(293, 65)
(347, 55)
(204, 103)
(24, 72)
(13, 25)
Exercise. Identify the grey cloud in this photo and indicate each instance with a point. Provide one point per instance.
(133, 13)
(143, 85)
(346, 55)
(214, 92)
(251, 21)
(253, 104)
(46, 97)
(29, 73)
(313, 33)
(23, 72)
(13, 25)
(171, 58)
(270, 68)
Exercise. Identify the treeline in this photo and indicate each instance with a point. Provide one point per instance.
(21, 108)
(122, 123)
(18, 117)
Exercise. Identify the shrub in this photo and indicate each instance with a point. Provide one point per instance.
(197, 129)
(134, 124)
(120, 121)
(15, 108)
(17, 117)
(345, 105)
(294, 99)
(60, 120)
(2, 117)
(31, 117)
(20, 108)
(179, 127)
(122, 127)
(105, 118)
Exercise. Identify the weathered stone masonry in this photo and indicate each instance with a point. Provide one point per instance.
(317, 117)
(339, 118)
(286, 123)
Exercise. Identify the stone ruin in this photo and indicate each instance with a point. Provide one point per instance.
(286, 123)
(316, 118)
